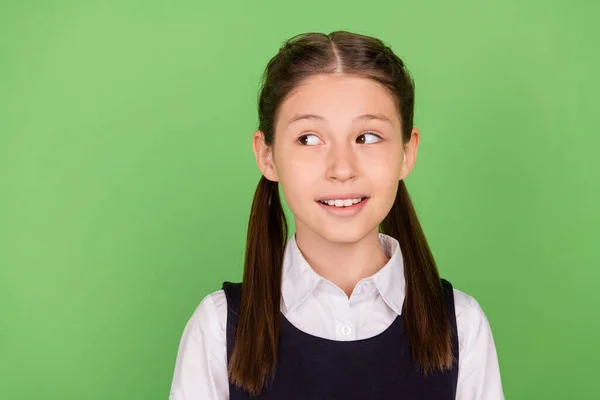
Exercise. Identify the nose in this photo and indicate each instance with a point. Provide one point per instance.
(341, 162)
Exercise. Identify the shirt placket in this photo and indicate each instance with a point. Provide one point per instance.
(344, 318)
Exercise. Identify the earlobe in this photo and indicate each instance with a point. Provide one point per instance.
(264, 156)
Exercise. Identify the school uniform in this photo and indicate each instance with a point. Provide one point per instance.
(335, 347)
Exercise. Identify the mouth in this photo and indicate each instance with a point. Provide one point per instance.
(343, 202)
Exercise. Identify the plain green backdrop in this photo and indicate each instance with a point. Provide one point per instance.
(126, 176)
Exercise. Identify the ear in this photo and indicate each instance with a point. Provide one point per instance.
(264, 156)
(410, 153)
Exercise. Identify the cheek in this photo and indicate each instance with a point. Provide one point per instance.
(386, 191)
(297, 172)
(298, 183)
(384, 176)
(383, 169)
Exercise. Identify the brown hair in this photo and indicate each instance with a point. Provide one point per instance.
(254, 358)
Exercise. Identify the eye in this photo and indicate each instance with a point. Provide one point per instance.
(309, 140)
(374, 138)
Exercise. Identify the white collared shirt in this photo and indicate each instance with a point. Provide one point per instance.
(318, 307)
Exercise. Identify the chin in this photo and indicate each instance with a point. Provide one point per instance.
(344, 234)
(337, 229)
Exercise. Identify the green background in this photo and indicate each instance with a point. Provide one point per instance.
(126, 176)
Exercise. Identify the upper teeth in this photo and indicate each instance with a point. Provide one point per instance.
(342, 203)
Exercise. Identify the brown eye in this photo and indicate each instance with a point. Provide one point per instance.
(368, 138)
(308, 140)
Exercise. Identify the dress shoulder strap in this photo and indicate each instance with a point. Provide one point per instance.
(449, 299)
(233, 294)
(451, 314)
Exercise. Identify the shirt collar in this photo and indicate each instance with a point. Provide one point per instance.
(299, 280)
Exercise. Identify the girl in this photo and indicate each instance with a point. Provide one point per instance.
(351, 306)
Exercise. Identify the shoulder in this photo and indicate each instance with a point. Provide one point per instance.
(201, 363)
(210, 316)
(471, 321)
(466, 306)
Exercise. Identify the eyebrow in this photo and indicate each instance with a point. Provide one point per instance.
(364, 117)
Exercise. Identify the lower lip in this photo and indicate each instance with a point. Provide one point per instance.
(344, 211)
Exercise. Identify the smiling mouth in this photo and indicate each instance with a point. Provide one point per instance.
(342, 203)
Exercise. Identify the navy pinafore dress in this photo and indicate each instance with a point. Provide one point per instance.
(380, 367)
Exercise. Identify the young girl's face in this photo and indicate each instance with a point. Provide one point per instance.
(337, 154)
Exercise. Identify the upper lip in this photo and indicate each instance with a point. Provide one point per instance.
(342, 196)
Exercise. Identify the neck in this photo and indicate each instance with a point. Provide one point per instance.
(344, 264)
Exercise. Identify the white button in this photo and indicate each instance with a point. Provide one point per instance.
(346, 330)
(365, 287)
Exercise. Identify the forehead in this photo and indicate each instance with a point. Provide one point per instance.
(338, 98)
